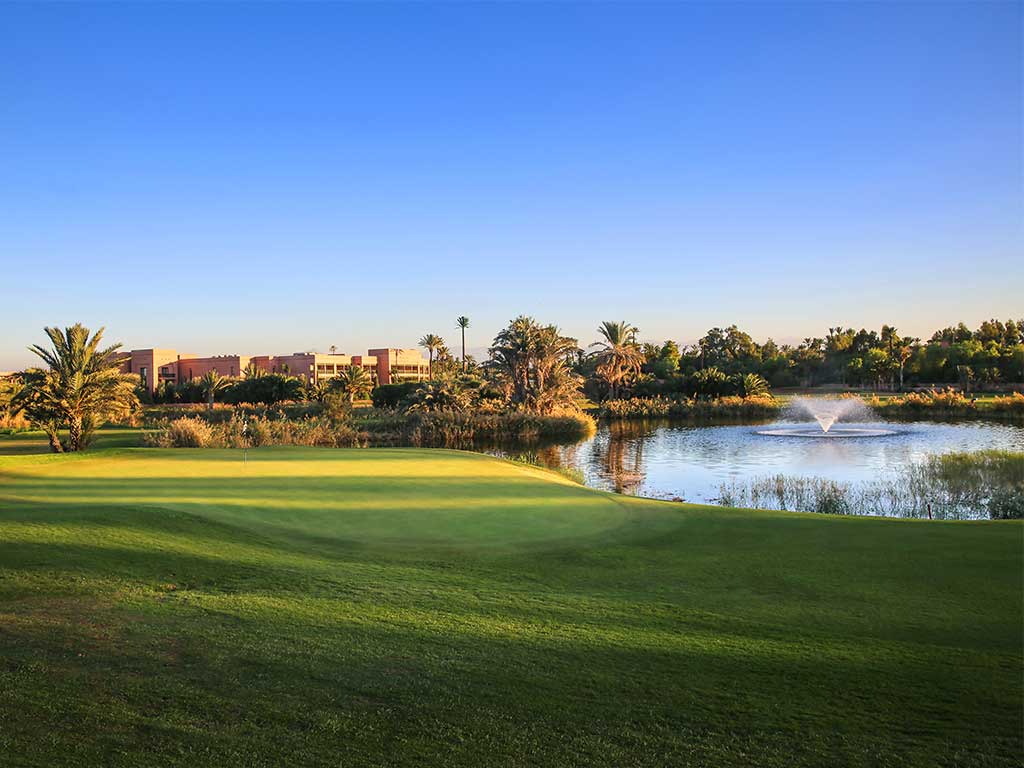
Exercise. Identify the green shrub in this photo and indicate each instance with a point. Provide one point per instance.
(391, 395)
(454, 429)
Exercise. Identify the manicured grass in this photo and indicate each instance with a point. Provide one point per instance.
(416, 607)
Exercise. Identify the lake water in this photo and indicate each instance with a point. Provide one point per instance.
(665, 460)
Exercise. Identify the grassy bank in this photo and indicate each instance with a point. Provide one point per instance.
(412, 607)
(756, 407)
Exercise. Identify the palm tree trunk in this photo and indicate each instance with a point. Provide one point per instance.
(54, 438)
(75, 433)
(463, 350)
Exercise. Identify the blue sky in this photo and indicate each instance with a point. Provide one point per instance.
(269, 178)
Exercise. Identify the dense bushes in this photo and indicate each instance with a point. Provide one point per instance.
(653, 407)
(255, 387)
(443, 429)
(455, 429)
(390, 395)
(157, 414)
(265, 389)
(197, 432)
(948, 402)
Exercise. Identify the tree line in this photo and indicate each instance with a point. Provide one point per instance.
(531, 367)
(991, 354)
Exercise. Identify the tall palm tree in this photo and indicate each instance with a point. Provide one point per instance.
(212, 384)
(463, 323)
(619, 357)
(354, 382)
(431, 342)
(81, 388)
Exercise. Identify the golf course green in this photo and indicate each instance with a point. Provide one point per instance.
(387, 607)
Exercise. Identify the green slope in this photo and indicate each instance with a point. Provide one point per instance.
(418, 607)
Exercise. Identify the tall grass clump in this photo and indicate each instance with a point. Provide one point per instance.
(949, 402)
(239, 432)
(157, 415)
(728, 407)
(955, 486)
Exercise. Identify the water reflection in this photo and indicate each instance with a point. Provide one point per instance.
(667, 459)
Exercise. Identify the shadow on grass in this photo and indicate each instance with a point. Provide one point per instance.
(173, 680)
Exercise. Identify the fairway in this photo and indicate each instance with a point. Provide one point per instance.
(386, 607)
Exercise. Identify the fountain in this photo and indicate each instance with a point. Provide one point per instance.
(827, 411)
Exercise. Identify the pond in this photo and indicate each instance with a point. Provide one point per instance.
(667, 460)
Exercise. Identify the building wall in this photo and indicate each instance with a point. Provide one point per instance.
(396, 365)
(152, 366)
(192, 368)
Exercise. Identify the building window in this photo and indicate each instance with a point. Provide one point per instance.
(142, 375)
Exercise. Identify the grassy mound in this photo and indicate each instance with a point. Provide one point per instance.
(415, 607)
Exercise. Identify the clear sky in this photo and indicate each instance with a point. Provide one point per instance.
(275, 177)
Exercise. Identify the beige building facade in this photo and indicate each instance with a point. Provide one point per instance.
(385, 366)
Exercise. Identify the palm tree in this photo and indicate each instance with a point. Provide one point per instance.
(431, 342)
(754, 385)
(463, 323)
(333, 349)
(211, 384)
(619, 357)
(253, 371)
(354, 382)
(315, 390)
(532, 360)
(82, 387)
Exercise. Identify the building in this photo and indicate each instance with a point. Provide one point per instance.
(397, 365)
(385, 366)
(311, 367)
(191, 367)
(152, 366)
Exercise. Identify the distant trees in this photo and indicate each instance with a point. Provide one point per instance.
(531, 362)
(431, 342)
(880, 359)
(661, 360)
(885, 359)
(81, 387)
